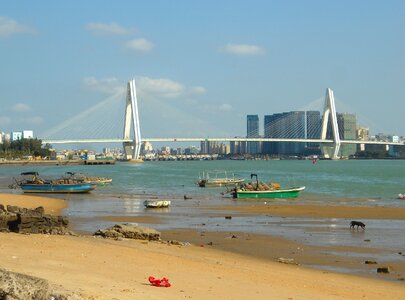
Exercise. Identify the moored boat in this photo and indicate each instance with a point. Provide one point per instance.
(263, 190)
(35, 184)
(156, 203)
(290, 192)
(218, 179)
(89, 179)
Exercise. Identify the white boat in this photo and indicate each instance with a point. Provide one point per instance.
(218, 179)
(156, 203)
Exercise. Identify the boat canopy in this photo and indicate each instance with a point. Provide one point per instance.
(30, 173)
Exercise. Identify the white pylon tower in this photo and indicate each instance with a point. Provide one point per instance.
(132, 149)
(330, 111)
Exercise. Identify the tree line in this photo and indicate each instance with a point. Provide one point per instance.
(24, 147)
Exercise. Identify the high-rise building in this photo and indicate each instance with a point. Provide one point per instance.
(252, 132)
(204, 146)
(348, 131)
(362, 134)
(237, 147)
(292, 125)
(313, 131)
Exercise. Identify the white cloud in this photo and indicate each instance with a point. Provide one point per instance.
(160, 87)
(139, 45)
(4, 120)
(243, 49)
(10, 27)
(21, 107)
(166, 88)
(108, 29)
(108, 86)
(225, 107)
(146, 86)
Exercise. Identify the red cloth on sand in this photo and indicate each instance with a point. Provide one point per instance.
(164, 282)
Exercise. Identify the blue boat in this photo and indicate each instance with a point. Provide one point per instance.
(35, 184)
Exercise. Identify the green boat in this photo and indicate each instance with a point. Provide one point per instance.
(291, 192)
(262, 190)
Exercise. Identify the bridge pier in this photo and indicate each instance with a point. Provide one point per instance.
(132, 149)
(332, 152)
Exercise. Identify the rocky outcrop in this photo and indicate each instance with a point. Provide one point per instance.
(129, 232)
(15, 286)
(24, 220)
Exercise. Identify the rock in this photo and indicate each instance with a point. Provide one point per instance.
(23, 220)
(289, 261)
(174, 242)
(384, 270)
(228, 217)
(130, 232)
(370, 262)
(14, 286)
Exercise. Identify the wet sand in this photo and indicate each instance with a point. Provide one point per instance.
(133, 219)
(248, 269)
(317, 211)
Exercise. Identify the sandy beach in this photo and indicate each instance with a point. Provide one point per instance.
(213, 266)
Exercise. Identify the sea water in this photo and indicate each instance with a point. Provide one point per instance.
(342, 183)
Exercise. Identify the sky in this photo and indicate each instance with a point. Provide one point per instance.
(200, 66)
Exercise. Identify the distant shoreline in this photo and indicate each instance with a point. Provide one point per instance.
(55, 162)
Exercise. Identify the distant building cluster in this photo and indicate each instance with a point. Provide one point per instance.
(15, 135)
(305, 125)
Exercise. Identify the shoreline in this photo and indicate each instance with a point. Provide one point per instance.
(229, 265)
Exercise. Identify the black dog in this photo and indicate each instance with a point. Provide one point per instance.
(358, 224)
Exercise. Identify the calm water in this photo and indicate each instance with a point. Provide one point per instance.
(348, 182)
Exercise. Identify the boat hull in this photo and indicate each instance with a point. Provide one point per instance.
(280, 193)
(99, 182)
(157, 203)
(57, 188)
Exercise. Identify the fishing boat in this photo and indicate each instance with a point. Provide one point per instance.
(156, 203)
(33, 183)
(218, 179)
(290, 192)
(88, 179)
(262, 190)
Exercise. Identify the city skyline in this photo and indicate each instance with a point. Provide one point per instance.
(197, 72)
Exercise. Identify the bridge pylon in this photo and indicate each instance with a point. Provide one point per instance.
(131, 122)
(328, 151)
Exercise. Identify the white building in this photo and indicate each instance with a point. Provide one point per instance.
(28, 134)
(16, 135)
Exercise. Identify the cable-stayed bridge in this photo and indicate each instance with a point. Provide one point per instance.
(328, 135)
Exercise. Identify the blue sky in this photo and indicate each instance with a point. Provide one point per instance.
(200, 66)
